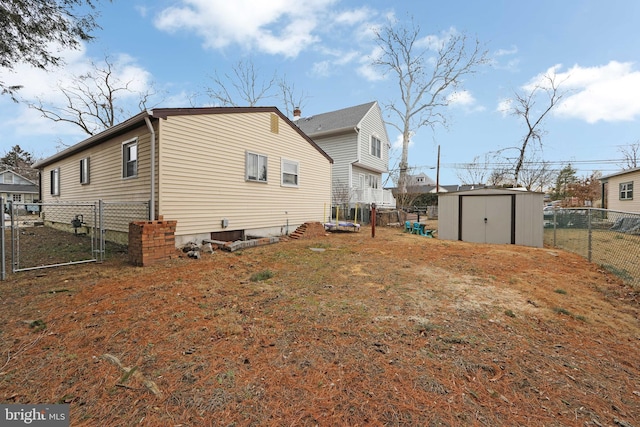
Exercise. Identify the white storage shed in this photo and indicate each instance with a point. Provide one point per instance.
(492, 215)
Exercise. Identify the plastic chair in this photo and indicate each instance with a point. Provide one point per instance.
(416, 228)
(407, 226)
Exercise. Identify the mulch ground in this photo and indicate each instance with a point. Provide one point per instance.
(343, 329)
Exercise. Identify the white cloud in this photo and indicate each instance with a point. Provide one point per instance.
(352, 17)
(503, 59)
(504, 107)
(606, 93)
(396, 144)
(280, 27)
(465, 100)
(38, 84)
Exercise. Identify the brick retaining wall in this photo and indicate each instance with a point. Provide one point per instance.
(151, 242)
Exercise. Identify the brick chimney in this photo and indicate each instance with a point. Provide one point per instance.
(296, 114)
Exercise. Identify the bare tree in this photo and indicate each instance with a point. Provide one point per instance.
(427, 74)
(630, 155)
(94, 100)
(499, 177)
(536, 174)
(524, 105)
(244, 87)
(341, 196)
(475, 172)
(290, 97)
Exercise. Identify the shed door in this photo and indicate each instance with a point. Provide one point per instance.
(486, 219)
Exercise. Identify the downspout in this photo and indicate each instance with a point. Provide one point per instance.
(152, 199)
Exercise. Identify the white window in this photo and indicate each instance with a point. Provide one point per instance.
(376, 147)
(256, 167)
(626, 191)
(17, 197)
(289, 173)
(130, 159)
(84, 171)
(373, 181)
(55, 182)
(8, 178)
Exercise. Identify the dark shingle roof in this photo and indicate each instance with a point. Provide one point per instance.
(334, 120)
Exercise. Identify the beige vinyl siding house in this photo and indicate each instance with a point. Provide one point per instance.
(621, 191)
(205, 164)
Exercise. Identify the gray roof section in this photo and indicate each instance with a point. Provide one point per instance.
(604, 178)
(18, 188)
(338, 120)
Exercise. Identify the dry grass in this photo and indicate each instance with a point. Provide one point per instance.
(395, 330)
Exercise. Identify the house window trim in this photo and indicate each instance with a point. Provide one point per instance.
(375, 149)
(625, 191)
(373, 181)
(246, 167)
(125, 161)
(85, 171)
(297, 174)
(4, 178)
(16, 198)
(54, 184)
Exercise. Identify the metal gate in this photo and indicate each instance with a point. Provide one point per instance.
(45, 235)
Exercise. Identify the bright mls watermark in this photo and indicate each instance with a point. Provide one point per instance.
(34, 415)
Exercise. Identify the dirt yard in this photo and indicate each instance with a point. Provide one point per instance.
(346, 329)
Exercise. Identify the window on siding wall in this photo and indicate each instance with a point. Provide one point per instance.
(626, 191)
(376, 147)
(256, 167)
(84, 171)
(289, 173)
(17, 198)
(55, 182)
(130, 159)
(373, 181)
(8, 178)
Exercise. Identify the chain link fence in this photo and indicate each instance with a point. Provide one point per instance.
(605, 237)
(43, 235)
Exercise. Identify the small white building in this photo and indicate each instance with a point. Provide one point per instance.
(492, 215)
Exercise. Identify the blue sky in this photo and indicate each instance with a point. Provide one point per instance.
(324, 48)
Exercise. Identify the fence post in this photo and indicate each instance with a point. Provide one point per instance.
(101, 230)
(555, 226)
(2, 242)
(14, 236)
(589, 231)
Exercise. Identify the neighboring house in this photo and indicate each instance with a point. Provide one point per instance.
(617, 191)
(16, 188)
(221, 173)
(419, 180)
(357, 141)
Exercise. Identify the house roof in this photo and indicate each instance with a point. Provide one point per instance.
(624, 172)
(338, 121)
(19, 188)
(16, 174)
(162, 113)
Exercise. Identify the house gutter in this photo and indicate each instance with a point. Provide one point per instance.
(152, 199)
